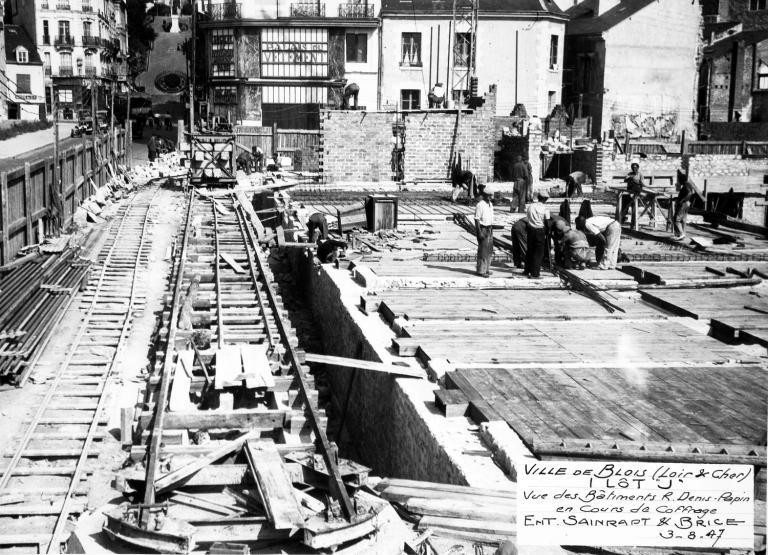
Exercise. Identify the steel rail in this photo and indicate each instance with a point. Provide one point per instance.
(61, 519)
(153, 452)
(338, 489)
(217, 278)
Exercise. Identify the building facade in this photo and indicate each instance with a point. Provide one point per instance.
(518, 48)
(3, 82)
(733, 76)
(25, 90)
(278, 63)
(631, 65)
(83, 45)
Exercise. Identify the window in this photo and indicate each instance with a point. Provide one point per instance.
(64, 29)
(86, 28)
(553, 44)
(755, 5)
(23, 83)
(65, 95)
(294, 52)
(762, 76)
(46, 34)
(551, 101)
(411, 49)
(410, 99)
(357, 47)
(462, 49)
(22, 55)
(223, 53)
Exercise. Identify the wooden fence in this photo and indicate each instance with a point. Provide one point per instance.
(301, 145)
(26, 192)
(747, 149)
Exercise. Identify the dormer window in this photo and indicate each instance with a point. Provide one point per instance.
(22, 55)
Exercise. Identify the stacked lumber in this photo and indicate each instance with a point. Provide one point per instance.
(34, 292)
(458, 512)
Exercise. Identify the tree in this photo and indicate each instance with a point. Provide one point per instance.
(140, 33)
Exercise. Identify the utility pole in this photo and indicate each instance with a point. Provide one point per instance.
(192, 68)
(112, 152)
(56, 189)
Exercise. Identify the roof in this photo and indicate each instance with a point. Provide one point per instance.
(583, 20)
(442, 7)
(16, 36)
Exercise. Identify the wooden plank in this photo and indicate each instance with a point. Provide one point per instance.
(207, 420)
(230, 260)
(228, 365)
(275, 488)
(256, 366)
(391, 369)
(182, 381)
(175, 478)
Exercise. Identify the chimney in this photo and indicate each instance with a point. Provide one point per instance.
(605, 5)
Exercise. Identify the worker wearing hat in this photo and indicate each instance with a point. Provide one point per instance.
(538, 214)
(484, 230)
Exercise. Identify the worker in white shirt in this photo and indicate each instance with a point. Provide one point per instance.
(608, 231)
(436, 96)
(484, 231)
(538, 214)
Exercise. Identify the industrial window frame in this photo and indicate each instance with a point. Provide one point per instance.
(410, 50)
(357, 48)
(294, 52)
(554, 47)
(462, 49)
(223, 53)
(410, 99)
(65, 95)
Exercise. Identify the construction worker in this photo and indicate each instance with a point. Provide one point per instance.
(152, 148)
(330, 250)
(351, 90)
(529, 185)
(554, 237)
(538, 214)
(635, 183)
(244, 162)
(682, 204)
(521, 178)
(258, 158)
(317, 227)
(436, 96)
(607, 232)
(484, 231)
(519, 241)
(573, 246)
(573, 184)
(464, 180)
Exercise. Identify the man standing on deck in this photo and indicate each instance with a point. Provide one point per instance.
(484, 231)
(538, 214)
(635, 183)
(682, 204)
(522, 179)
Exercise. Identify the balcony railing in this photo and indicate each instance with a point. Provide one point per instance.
(45, 6)
(90, 41)
(47, 70)
(90, 72)
(308, 9)
(356, 11)
(87, 8)
(64, 40)
(62, 6)
(65, 71)
(226, 11)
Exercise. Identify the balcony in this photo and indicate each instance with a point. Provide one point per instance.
(62, 6)
(87, 8)
(65, 71)
(64, 41)
(91, 42)
(45, 6)
(90, 72)
(308, 9)
(356, 11)
(225, 11)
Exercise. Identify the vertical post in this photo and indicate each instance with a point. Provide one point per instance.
(448, 82)
(113, 148)
(5, 207)
(192, 69)
(683, 146)
(275, 144)
(28, 189)
(517, 60)
(94, 106)
(430, 59)
(128, 144)
(56, 186)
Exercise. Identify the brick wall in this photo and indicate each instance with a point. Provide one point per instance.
(356, 145)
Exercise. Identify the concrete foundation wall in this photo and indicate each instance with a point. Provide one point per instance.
(393, 423)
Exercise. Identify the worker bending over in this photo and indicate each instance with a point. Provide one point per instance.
(484, 231)
(317, 227)
(573, 246)
(464, 181)
(573, 184)
(607, 231)
(538, 213)
(330, 250)
(244, 162)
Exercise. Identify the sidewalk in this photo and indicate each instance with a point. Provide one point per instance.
(21, 146)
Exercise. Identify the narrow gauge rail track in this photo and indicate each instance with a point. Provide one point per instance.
(222, 287)
(46, 476)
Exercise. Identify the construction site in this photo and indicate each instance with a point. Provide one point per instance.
(373, 336)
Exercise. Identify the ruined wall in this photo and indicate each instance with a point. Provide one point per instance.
(432, 141)
(356, 145)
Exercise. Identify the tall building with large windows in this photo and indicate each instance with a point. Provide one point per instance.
(83, 45)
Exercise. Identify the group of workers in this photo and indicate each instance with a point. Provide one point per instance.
(328, 249)
(158, 145)
(250, 161)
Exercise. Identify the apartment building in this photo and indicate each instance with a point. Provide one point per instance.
(279, 62)
(83, 45)
(24, 92)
